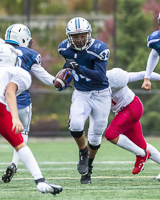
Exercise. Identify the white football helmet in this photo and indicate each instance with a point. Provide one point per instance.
(76, 26)
(8, 56)
(18, 34)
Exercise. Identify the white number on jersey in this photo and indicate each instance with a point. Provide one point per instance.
(76, 76)
(20, 54)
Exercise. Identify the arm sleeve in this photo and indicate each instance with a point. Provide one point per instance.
(151, 63)
(97, 74)
(136, 76)
(40, 73)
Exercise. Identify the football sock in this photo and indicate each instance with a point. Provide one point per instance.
(90, 162)
(155, 154)
(29, 161)
(15, 158)
(83, 151)
(127, 144)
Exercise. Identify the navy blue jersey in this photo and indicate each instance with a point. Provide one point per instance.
(27, 58)
(91, 73)
(154, 41)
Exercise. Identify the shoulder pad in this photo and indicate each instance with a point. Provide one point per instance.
(35, 55)
(29, 54)
(154, 40)
(115, 77)
(99, 49)
(63, 45)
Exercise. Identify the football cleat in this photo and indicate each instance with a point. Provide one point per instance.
(86, 179)
(158, 177)
(82, 165)
(140, 163)
(10, 172)
(45, 187)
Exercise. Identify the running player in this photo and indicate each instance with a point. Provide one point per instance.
(19, 36)
(14, 81)
(87, 59)
(125, 129)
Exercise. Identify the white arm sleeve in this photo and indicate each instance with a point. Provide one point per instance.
(136, 76)
(40, 73)
(151, 63)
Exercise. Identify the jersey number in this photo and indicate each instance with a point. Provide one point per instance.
(76, 76)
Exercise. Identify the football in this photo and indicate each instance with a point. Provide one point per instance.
(63, 78)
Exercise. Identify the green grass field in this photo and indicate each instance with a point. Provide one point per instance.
(111, 179)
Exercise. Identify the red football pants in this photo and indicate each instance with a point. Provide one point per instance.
(127, 122)
(6, 127)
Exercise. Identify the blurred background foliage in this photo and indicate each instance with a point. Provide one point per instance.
(123, 25)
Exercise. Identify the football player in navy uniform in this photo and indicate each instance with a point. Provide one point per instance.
(153, 43)
(87, 59)
(19, 36)
(15, 80)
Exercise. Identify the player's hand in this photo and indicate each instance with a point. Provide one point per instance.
(146, 85)
(71, 64)
(63, 88)
(17, 125)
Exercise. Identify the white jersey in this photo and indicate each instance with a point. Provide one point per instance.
(16, 75)
(121, 95)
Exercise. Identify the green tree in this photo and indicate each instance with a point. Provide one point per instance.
(133, 28)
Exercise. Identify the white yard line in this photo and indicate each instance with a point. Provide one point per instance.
(94, 177)
(75, 162)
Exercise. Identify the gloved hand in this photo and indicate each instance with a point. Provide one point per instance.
(71, 64)
(63, 88)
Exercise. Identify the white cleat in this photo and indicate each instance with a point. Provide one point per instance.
(45, 187)
(158, 177)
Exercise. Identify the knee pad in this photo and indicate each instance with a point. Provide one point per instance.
(76, 125)
(94, 139)
(76, 134)
(93, 147)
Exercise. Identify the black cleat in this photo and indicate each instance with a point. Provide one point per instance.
(10, 172)
(82, 165)
(86, 179)
(45, 187)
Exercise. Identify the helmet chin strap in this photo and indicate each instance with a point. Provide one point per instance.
(30, 44)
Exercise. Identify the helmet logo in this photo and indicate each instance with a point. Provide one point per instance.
(78, 29)
(27, 31)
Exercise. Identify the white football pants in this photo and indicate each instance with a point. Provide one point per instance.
(93, 104)
(25, 115)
